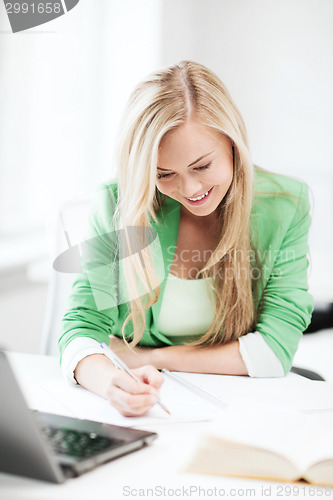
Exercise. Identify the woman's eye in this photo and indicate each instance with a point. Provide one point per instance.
(204, 167)
(169, 175)
(163, 176)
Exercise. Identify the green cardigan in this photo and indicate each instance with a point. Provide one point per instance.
(279, 225)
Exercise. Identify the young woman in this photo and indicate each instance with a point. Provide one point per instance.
(196, 259)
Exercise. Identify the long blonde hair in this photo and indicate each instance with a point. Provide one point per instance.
(162, 102)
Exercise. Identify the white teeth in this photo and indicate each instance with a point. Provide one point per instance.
(199, 197)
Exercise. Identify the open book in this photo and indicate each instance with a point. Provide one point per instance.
(266, 444)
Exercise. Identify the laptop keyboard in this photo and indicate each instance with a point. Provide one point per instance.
(78, 444)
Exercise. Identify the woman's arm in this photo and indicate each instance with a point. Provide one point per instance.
(287, 304)
(221, 359)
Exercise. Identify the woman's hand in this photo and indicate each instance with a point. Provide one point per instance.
(132, 398)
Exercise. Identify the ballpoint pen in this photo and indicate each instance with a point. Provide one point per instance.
(119, 363)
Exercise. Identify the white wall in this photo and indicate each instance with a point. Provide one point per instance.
(276, 58)
(22, 306)
(63, 87)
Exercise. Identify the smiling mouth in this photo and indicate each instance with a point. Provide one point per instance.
(200, 197)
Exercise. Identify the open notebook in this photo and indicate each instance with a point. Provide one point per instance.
(191, 397)
(186, 403)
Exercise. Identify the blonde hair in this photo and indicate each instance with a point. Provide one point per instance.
(162, 102)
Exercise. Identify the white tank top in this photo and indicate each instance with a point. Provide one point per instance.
(187, 309)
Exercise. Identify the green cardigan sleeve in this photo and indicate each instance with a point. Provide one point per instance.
(286, 303)
(92, 307)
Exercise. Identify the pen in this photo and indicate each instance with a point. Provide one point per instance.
(119, 363)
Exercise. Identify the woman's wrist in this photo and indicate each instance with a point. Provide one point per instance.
(166, 357)
(156, 358)
(94, 372)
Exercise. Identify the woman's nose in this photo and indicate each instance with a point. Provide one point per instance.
(189, 187)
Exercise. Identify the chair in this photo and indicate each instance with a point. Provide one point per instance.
(67, 228)
(307, 373)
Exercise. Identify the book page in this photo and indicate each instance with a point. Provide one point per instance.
(314, 441)
(321, 435)
(291, 434)
(320, 463)
(321, 473)
(215, 455)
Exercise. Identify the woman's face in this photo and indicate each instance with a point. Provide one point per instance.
(195, 167)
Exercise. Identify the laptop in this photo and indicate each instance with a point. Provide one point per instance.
(53, 447)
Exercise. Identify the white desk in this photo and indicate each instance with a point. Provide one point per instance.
(157, 466)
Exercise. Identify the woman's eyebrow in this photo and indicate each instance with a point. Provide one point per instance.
(191, 164)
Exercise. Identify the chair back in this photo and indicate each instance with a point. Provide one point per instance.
(67, 229)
